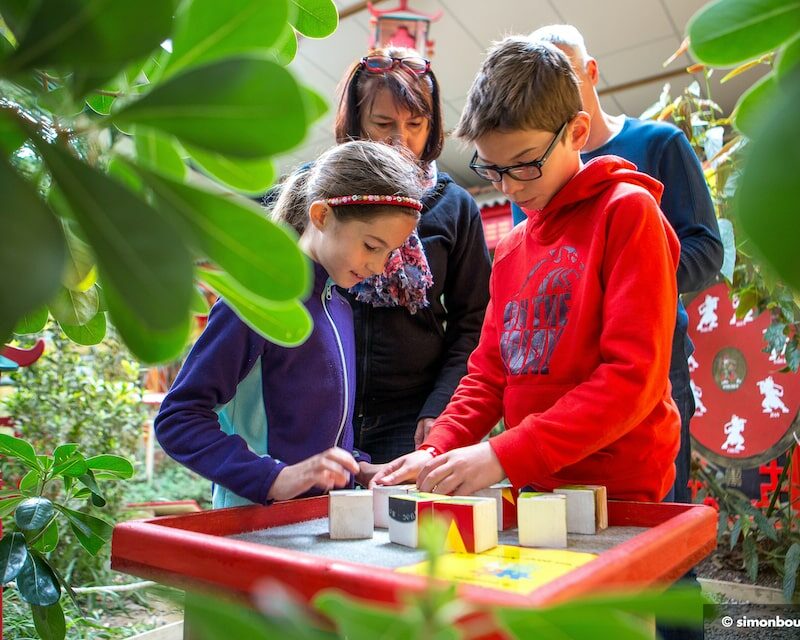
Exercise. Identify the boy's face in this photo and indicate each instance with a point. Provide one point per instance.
(507, 148)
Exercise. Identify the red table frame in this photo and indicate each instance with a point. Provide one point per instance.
(190, 551)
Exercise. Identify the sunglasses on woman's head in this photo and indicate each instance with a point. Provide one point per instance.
(382, 64)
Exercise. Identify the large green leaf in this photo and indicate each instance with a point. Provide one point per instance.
(242, 107)
(17, 15)
(316, 105)
(72, 466)
(49, 621)
(788, 59)
(285, 323)
(91, 37)
(37, 583)
(19, 449)
(80, 273)
(159, 153)
(286, 48)
(7, 505)
(114, 465)
(315, 18)
(33, 513)
(32, 322)
(74, 307)
(148, 345)
(251, 177)
(361, 621)
(49, 539)
(87, 334)
(766, 201)
(210, 30)
(139, 252)
(753, 105)
(32, 250)
(91, 532)
(262, 256)
(13, 553)
(726, 32)
(11, 136)
(791, 569)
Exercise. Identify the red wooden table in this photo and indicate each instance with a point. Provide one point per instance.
(192, 551)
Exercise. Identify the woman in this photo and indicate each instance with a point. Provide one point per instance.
(413, 337)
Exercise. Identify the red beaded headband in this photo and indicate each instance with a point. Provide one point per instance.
(396, 201)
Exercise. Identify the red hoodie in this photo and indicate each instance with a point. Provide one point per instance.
(575, 347)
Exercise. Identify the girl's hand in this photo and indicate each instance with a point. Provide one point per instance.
(461, 472)
(366, 472)
(401, 469)
(326, 470)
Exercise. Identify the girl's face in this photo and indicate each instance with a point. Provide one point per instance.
(354, 249)
(386, 121)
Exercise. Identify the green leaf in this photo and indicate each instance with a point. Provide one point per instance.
(74, 466)
(788, 59)
(91, 37)
(791, 567)
(91, 532)
(285, 323)
(256, 108)
(32, 250)
(7, 505)
(29, 485)
(100, 103)
(138, 252)
(209, 30)
(286, 48)
(74, 307)
(251, 177)
(37, 583)
(17, 15)
(361, 621)
(148, 345)
(315, 18)
(89, 482)
(316, 105)
(199, 303)
(752, 107)
(262, 256)
(11, 136)
(32, 322)
(80, 274)
(767, 197)
(87, 334)
(726, 32)
(159, 153)
(33, 513)
(49, 539)
(19, 449)
(49, 621)
(13, 553)
(64, 452)
(114, 465)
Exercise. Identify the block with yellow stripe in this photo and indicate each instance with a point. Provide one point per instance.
(471, 521)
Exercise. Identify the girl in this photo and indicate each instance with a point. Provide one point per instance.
(265, 422)
(392, 95)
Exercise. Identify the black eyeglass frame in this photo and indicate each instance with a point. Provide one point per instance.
(538, 164)
(397, 62)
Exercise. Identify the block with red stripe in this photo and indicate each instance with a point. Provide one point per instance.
(471, 523)
(506, 499)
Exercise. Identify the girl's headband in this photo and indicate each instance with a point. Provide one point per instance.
(396, 201)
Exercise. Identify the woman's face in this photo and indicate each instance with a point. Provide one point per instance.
(386, 121)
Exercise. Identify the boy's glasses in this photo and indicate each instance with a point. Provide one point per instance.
(382, 64)
(524, 171)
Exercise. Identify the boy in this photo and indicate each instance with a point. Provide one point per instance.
(575, 348)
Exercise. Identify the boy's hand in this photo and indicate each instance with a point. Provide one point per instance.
(402, 469)
(326, 470)
(366, 471)
(423, 429)
(462, 472)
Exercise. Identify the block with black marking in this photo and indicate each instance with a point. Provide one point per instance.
(405, 512)
(380, 501)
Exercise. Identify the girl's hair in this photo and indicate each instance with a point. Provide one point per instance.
(418, 94)
(358, 167)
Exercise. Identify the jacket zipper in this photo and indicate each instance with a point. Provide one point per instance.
(327, 294)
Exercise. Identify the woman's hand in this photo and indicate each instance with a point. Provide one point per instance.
(423, 429)
(461, 472)
(402, 469)
(326, 470)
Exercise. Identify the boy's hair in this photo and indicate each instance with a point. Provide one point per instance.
(563, 35)
(418, 94)
(359, 167)
(521, 85)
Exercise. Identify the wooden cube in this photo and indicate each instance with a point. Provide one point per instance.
(405, 512)
(380, 501)
(542, 519)
(350, 515)
(587, 510)
(506, 499)
(471, 523)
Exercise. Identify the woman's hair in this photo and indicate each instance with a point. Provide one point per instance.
(358, 167)
(417, 93)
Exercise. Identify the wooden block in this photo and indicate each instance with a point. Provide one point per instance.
(405, 512)
(350, 515)
(600, 505)
(506, 499)
(542, 520)
(380, 501)
(581, 511)
(471, 522)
